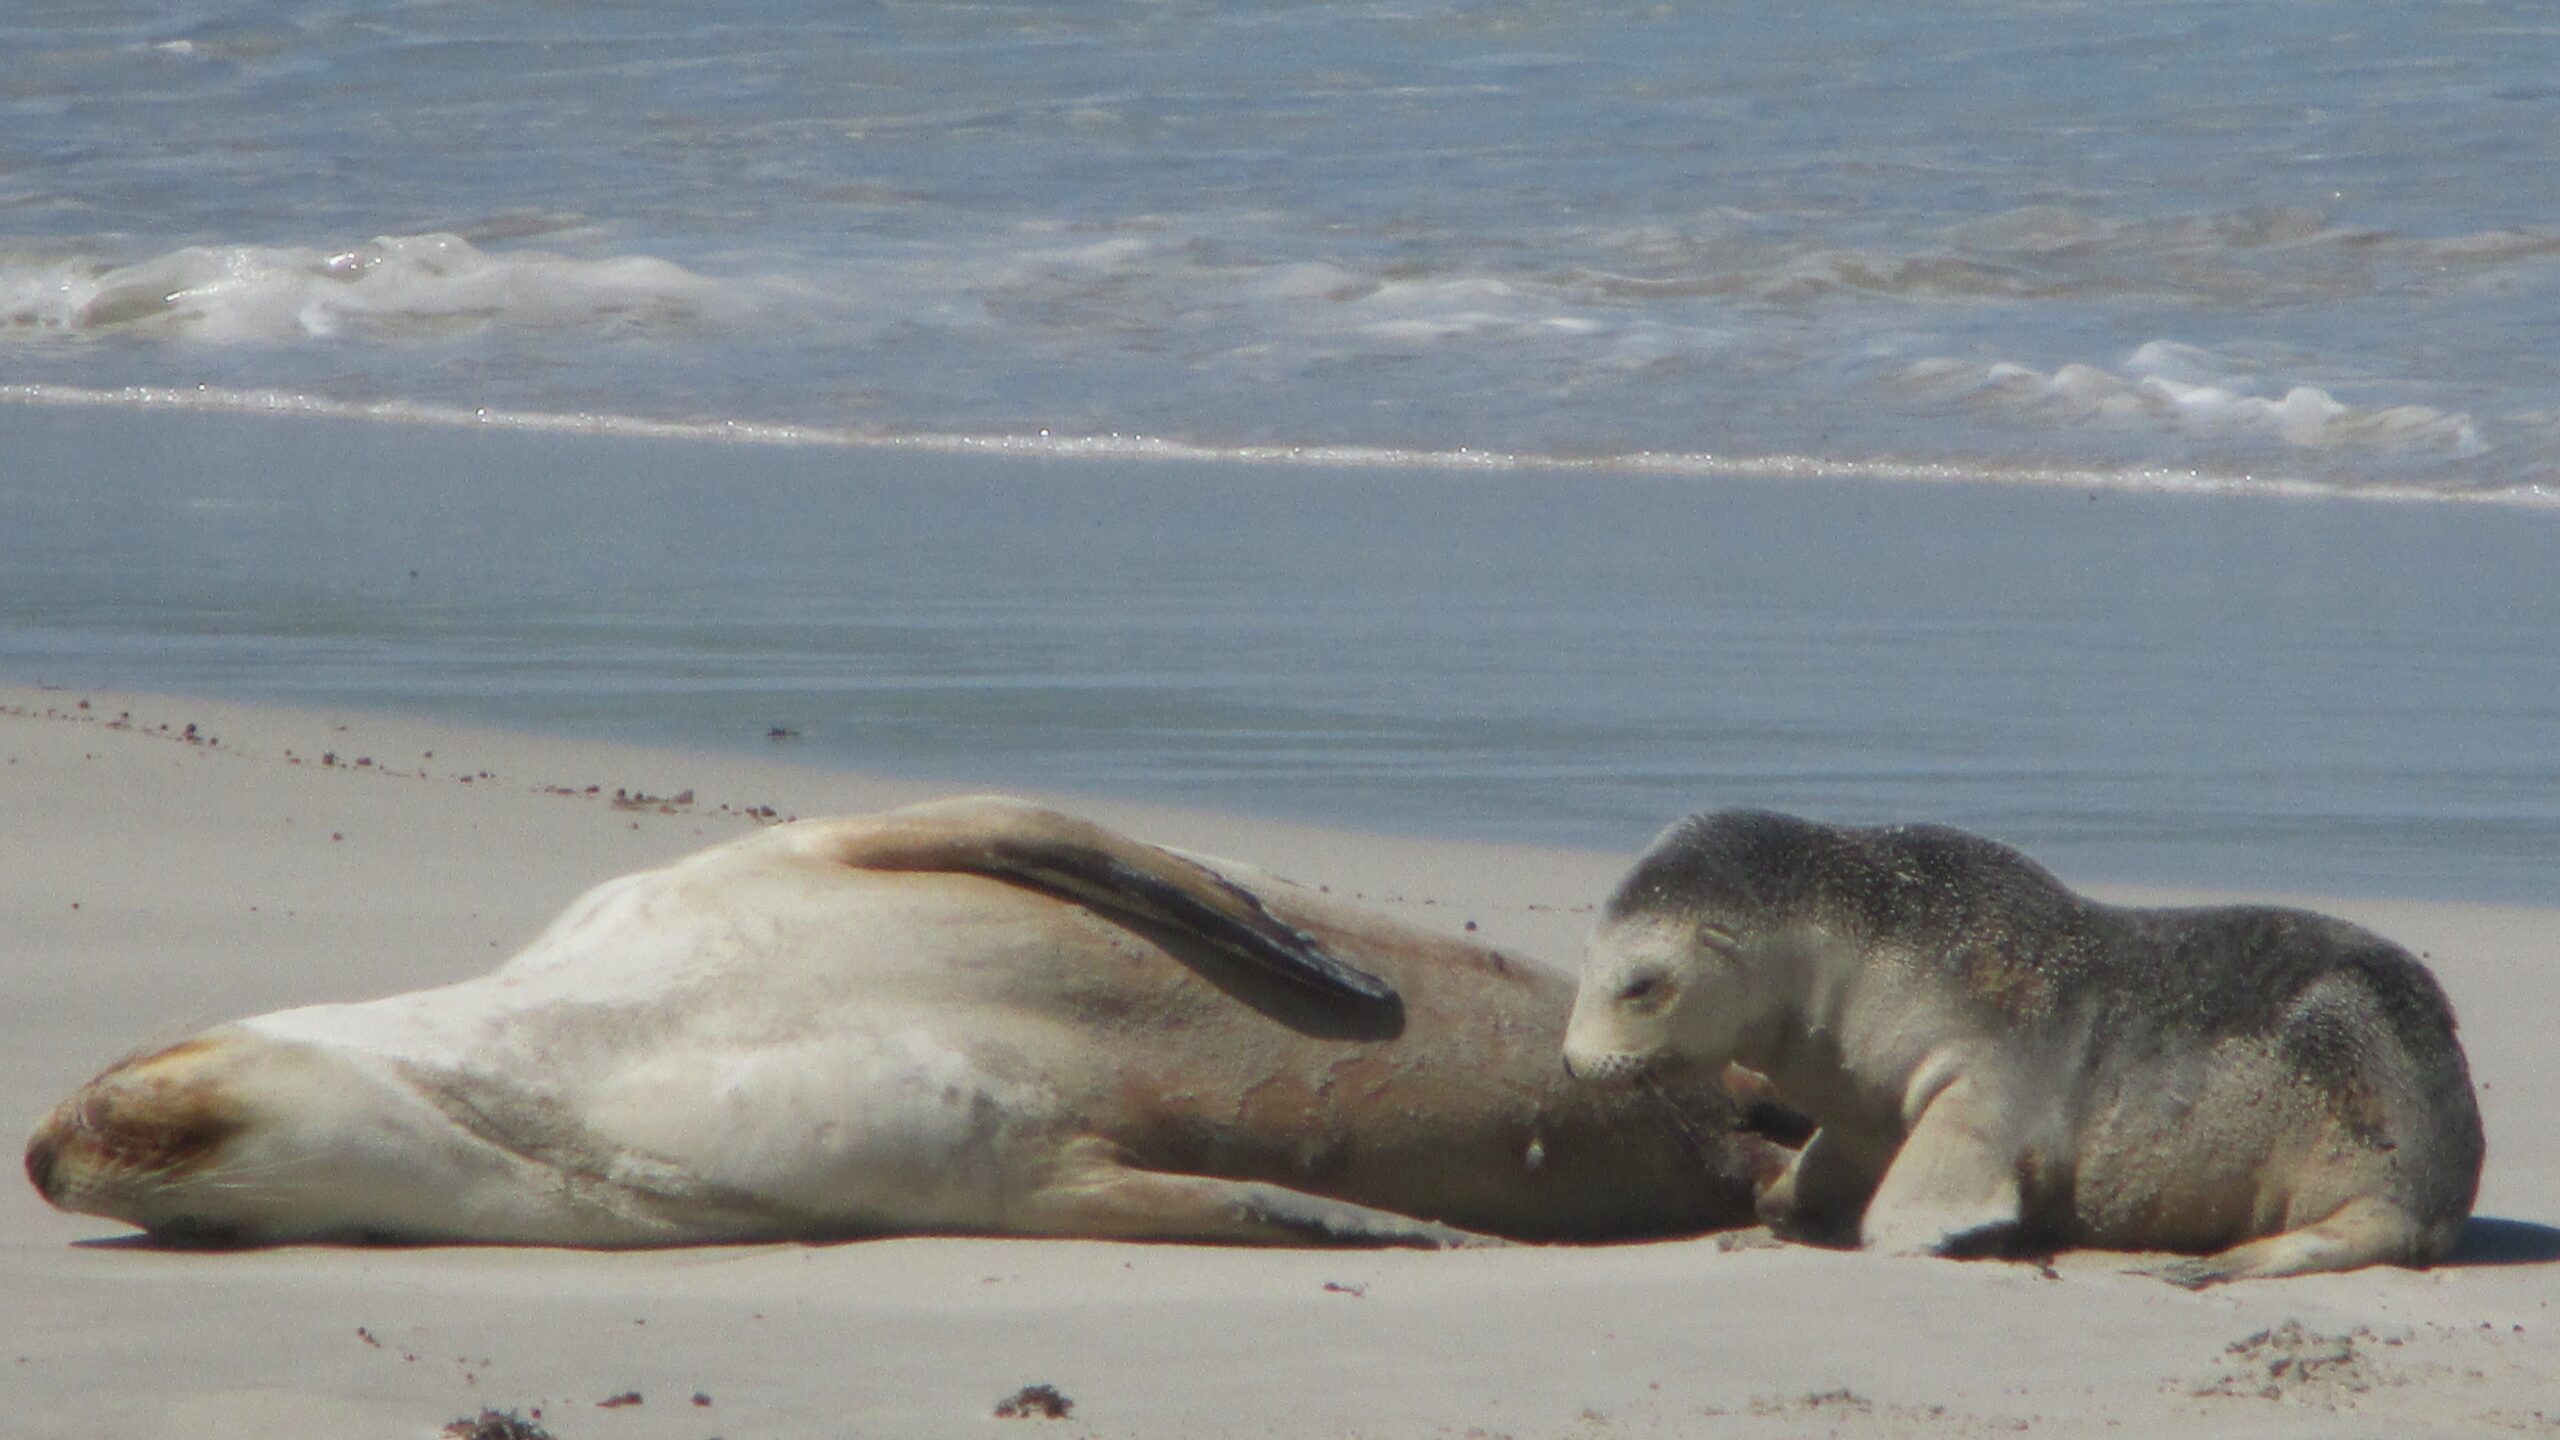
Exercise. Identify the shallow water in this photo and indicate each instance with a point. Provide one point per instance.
(2242, 692)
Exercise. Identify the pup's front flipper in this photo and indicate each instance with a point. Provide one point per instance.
(1953, 1187)
(1825, 1187)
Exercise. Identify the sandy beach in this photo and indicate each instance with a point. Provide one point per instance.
(172, 863)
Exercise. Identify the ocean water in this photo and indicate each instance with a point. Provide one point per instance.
(1530, 420)
(2193, 241)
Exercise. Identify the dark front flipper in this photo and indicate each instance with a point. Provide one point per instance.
(1032, 846)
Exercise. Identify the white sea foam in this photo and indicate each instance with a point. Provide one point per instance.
(206, 399)
(391, 286)
(2188, 388)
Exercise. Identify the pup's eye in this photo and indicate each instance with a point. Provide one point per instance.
(1720, 940)
(1646, 993)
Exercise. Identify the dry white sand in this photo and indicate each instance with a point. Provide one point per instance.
(153, 884)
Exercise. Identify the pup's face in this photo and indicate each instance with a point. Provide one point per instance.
(1688, 962)
(1660, 990)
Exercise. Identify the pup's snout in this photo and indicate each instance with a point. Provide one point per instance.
(1607, 1069)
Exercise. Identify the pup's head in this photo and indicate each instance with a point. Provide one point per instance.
(1681, 969)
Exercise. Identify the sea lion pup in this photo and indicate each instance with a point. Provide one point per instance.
(971, 1017)
(1997, 1063)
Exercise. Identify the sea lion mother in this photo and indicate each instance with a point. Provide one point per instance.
(976, 1016)
(1996, 1062)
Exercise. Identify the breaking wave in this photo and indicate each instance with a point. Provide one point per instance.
(2184, 387)
(394, 286)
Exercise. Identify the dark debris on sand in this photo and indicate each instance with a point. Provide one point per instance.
(497, 1425)
(1034, 1402)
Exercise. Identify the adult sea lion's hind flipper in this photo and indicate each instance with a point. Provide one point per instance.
(1031, 845)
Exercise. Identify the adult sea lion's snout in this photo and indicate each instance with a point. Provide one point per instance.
(241, 1137)
(44, 1148)
(133, 1132)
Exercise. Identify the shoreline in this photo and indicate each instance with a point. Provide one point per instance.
(162, 883)
(2258, 693)
(734, 785)
(1122, 448)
